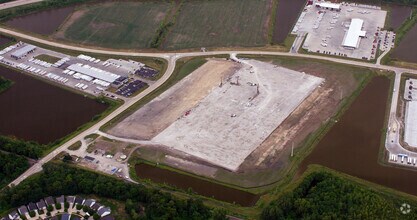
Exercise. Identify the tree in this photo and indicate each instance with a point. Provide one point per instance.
(32, 214)
(79, 206)
(96, 216)
(50, 208)
(58, 206)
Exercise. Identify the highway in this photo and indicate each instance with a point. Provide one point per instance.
(171, 59)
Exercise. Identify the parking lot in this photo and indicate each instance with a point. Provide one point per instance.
(326, 29)
(94, 76)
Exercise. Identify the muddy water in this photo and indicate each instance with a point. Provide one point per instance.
(399, 14)
(407, 49)
(43, 22)
(352, 145)
(286, 16)
(34, 110)
(199, 186)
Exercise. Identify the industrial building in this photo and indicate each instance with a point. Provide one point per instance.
(410, 131)
(130, 66)
(354, 34)
(328, 6)
(94, 72)
(21, 52)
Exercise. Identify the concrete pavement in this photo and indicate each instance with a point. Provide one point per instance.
(17, 3)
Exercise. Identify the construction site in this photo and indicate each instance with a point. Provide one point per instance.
(221, 112)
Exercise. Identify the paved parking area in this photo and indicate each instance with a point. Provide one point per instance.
(58, 72)
(326, 29)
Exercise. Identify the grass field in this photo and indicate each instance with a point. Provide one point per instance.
(220, 23)
(47, 58)
(116, 25)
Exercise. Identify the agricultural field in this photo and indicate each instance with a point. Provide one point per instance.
(115, 25)
(220, 24)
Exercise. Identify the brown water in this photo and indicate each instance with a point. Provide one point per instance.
(43, 22)
(399, 14)
(34, 110)
(407, 49)
(352, 145)
(286, 16)
(199, 186)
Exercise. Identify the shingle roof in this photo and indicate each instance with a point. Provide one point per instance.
(89, 202)
(49, 201)
(103, 211)
(70, 199)
(22, 210)
(60, 199)
(32, 207)
(41, 204)
(79, 200)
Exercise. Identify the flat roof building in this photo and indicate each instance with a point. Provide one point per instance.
(354, 34)
(21, 52)
(328, 5)
(130, 66)
(94, 72)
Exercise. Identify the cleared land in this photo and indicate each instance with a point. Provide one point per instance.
(151, 119)
(220, 23)
(116, 25)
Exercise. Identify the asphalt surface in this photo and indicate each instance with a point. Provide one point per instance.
(17, 3)
(171, 59)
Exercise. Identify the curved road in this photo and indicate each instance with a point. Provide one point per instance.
(171, 58)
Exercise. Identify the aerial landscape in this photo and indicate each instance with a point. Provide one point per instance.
(208, 109)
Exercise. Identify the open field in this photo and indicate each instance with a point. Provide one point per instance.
(116, 25)
(150, 120)
(235, 118)
(220, 24)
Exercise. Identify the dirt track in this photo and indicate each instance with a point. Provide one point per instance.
(157, 115)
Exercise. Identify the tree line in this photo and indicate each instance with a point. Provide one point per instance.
(4, 84)
(322, 195)
(62, 179)
(25, 148)
(11, 166)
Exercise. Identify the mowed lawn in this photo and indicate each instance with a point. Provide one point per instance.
(220, 23)
(118, 25)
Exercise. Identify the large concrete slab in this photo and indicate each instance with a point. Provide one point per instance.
(233, 120)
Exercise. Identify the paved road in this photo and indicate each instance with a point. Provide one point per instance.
(171, 58)
(17, 3)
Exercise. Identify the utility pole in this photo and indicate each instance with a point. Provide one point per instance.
(292, 149)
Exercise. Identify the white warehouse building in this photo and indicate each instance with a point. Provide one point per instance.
(94, 72)
(354, 34)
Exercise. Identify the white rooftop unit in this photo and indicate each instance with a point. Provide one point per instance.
(328, 5)
(353, 35)
(94, 72)
(19, 53)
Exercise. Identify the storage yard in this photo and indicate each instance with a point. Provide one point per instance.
(228, 117)
(346, 29)
(83, 72)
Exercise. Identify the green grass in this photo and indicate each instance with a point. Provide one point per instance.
(220, 23)
(75, 146)
(47, 58)
(5, 84)
(119, 25)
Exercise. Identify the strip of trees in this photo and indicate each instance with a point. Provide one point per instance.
(62, 179)
(29, 149)
(322, 195)
(11, 166)
(4, 84)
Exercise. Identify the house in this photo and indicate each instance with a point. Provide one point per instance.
(108, 217)
(70, 199)
(103, 211)
(79, 200)
(32, 207)
(41, 204)
(65, 216)
(14, 215)
(54, 218)
(23, 210)
(6, 218)
(96, 206)
(60, 200)
(49, 201)
(89, 202)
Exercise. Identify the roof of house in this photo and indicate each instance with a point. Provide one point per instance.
(22, 210)
(60, 199)
(41, 204)
(89, 202)
(65, 216)
(70, 199)
(14, 215)
(54, 218)
(49, 201)
(96, 206)
(108, 217)
(32, 207)
(79, 200)
(103, 211)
